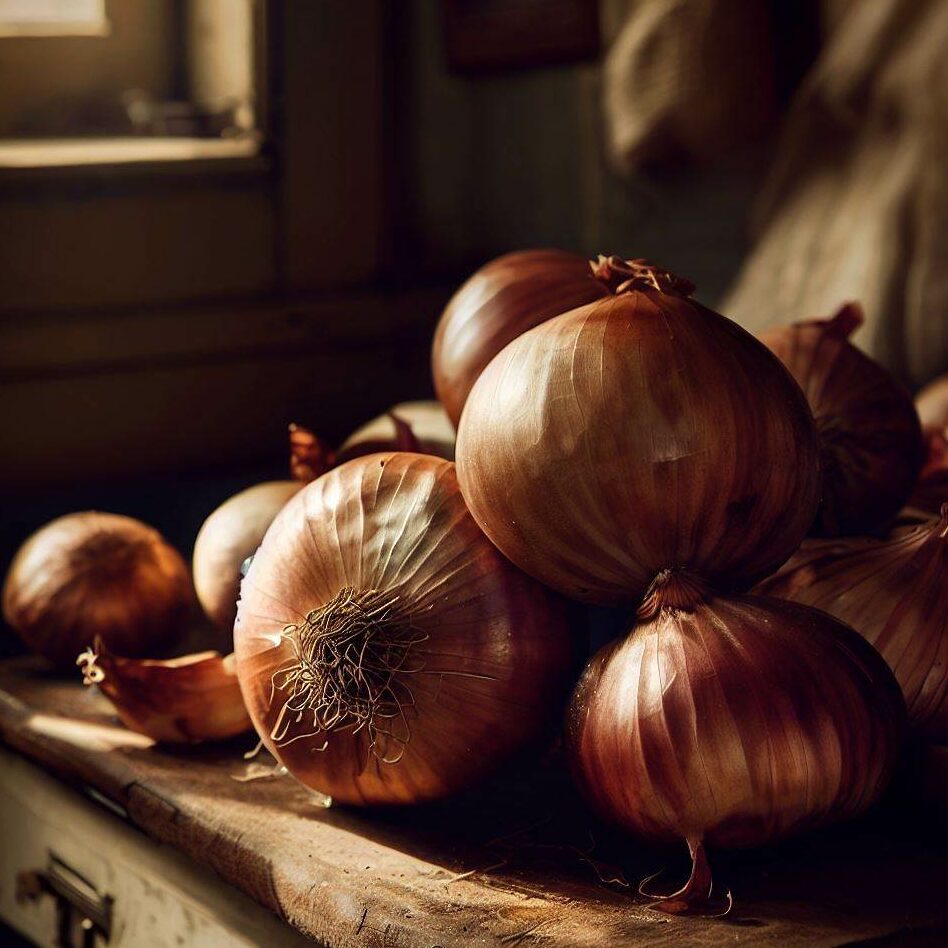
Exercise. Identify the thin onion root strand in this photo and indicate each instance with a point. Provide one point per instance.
(351, 658)
(92, 673)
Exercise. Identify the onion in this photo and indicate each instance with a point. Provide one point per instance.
(502, 300)
(228, 536)
(422, 427)
(387, 653)
(637, 433)
(97, 574)
(895, 594)
(178, 701)
(870, 438)
(733, 722)
(932, 405)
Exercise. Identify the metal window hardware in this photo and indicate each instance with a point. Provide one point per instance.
(83, 916)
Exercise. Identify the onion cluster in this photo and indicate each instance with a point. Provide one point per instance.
(88, 575)
(386, 651)
(895, 593)
(643, 448)
(870, 439)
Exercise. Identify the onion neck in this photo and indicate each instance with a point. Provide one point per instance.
(623, 276)
(673, 589)
(309, 457)
(351, 657)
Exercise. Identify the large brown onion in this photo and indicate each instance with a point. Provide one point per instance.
(634, 434)
(733, 722)
(386, 651)
(932, 405)
(179, 701)
(503, 299)
(895, 594)
(97, 574)
(870, 438)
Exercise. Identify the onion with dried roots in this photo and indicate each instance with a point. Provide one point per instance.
(502, 300)
(893, 592)
(637, 433)
(179, 701)
(386, 651)
(97, 574)
(870, 439)
(732, 722)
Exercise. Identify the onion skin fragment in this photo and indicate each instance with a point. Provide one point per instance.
(636, 432)
(932, 405)
(500, 301)
(387, 652)
(870, 437)
(734, 722)
(178, 701)
(893, 592)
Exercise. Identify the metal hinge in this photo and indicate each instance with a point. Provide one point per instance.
(83, 916)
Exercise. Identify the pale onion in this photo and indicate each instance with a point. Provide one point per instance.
(895, 594)
(97, 574)
(386, 651)
(637, 433)
(423, 427)
(870, 439)
(503, 299)
(731, 722)
(179, 701)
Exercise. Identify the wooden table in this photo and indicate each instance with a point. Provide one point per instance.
(518, 862)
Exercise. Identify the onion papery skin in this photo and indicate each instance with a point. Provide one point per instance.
(430, 427)
(895, 594)
(932, 406)
(499, 302)
(94, 574)
(931, 490)
(490, 663)
(633, 434)
(870, 438)
(228, 536)
(182, 700)
(738, 722)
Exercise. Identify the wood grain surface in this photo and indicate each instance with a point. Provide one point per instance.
(518, 862)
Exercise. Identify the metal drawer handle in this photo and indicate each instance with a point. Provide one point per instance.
(82, 915)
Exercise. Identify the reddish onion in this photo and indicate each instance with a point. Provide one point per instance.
(97, 574)
(733, 722)
(932, 406)
(637, 433)
(870, 440)
(895, 594)
(179, 701)
(502, 300)
(386, 651)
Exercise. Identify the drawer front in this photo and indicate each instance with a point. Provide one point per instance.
(51, 837)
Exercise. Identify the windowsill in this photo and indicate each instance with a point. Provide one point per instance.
(56, 156)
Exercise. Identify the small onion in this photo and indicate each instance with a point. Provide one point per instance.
(178, 701)
(895, 594)
(422, 427)
(97, 574)
(870, 439)
(733, 722)
(386, 651)
(502, 300)
(932, 405)
(637, 433)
